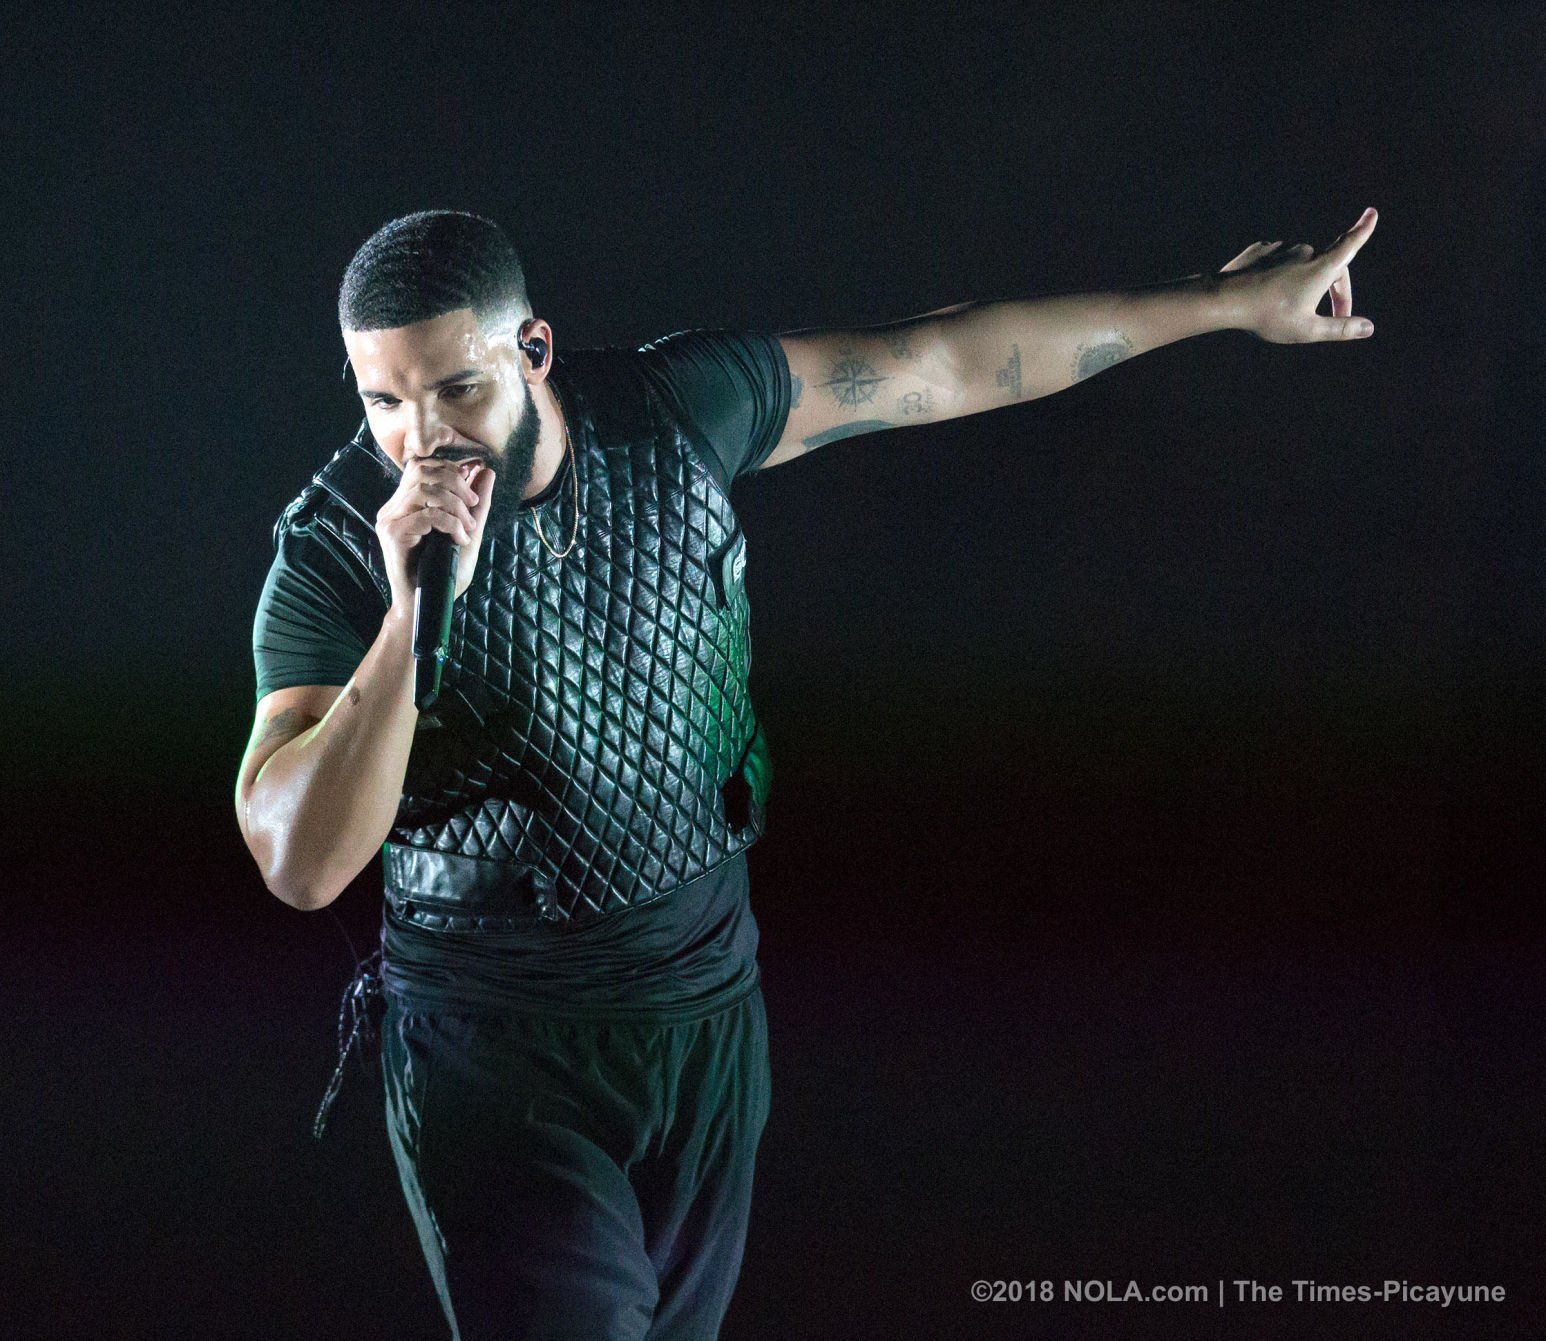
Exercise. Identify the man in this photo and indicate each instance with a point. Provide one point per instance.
(574, 1045)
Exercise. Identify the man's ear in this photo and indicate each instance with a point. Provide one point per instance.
(511, 338)
(537, 331)
(537, 345)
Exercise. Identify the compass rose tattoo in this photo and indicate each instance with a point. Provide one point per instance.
(853, 381)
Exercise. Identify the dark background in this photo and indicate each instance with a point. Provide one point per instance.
(1152, 886)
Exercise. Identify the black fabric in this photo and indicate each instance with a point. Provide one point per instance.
(671, 960)
(574, 1180)
(732, 391)
(667, 961)
(317, 615)
(595, 745)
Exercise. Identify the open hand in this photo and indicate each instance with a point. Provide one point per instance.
(1275, 293)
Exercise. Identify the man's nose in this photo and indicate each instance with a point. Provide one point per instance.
(426, 432)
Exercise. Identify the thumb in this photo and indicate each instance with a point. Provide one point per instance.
(1343, 328)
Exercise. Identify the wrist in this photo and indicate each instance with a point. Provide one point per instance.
(1176, 309)
(1225, 301)
(397, 624)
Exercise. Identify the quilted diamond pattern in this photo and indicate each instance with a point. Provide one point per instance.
(596, 738)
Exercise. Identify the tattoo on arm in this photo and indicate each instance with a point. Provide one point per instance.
(288, 723)
(916, 402)
(1009, 375)
(896, 341)
(846, 431)
(796, 386)
(282, 728)
(852, 381)
(1092, 359)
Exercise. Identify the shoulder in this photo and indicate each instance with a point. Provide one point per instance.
(690, 363)
(734, 359)
(299, 516)
(325, 538)
(343, 494)
(729, 389)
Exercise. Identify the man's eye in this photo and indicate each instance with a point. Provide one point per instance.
(385, 402)
(463, 389)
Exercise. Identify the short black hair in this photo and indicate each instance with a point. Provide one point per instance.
(426, 264)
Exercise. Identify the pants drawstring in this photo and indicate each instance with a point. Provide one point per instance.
(362, 994)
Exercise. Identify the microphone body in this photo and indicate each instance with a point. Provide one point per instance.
(433, 595)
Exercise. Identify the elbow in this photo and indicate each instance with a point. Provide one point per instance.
(283, 878)
(952, 374)
(303, 890)
(303, 897)
(288, 880)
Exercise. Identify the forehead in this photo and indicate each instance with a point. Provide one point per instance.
(421, 352)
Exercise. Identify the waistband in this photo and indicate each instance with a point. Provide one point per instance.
(417, 1001)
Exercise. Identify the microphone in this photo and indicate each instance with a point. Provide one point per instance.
(434, 592)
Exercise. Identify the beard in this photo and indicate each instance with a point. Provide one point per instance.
(513, 467)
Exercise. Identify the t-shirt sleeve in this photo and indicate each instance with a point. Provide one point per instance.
(729, 388)
(317, 616)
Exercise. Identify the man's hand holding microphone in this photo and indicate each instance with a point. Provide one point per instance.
(432, 523)
(434, 494)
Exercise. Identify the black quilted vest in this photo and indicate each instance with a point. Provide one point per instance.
(594, 745)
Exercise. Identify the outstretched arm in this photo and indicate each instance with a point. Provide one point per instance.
(978, 356)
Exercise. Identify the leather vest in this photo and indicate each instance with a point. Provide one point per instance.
(593, 746)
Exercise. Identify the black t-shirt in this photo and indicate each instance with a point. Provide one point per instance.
(678, 958)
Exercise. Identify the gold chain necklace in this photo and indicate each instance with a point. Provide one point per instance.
(575, 474)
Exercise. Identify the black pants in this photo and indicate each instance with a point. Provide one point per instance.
(578, 1179)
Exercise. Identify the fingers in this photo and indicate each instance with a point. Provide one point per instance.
(1335, 258)
(1342, 325)
(411, 522)
(1249, 256)
(1346, 247)
(407, 529)
(434, 470)
(1342, 295)
(426, 505)
(414, 526)
(431, 498)
(432, 485)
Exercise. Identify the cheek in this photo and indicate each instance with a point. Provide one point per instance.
(481, 423)
(388, 436)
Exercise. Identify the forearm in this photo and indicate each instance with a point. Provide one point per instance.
(1020, 349)
(323, 804)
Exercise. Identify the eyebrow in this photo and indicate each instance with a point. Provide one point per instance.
(461, 376)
